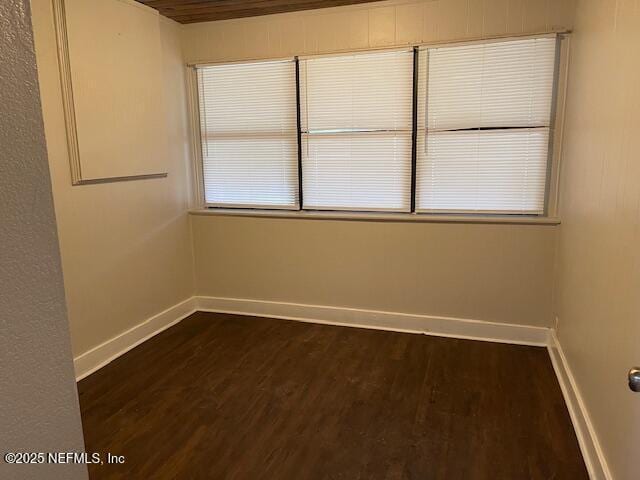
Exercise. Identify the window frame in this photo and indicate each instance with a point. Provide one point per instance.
(549, 215)
(199, 146)
(558, 92)
(410, 132)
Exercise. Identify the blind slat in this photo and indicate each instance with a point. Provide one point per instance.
(484, 119)
(495, 170)
(484, 113)
(249, 134)
(356, 117)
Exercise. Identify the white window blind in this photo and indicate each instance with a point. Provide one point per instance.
(484, 117)
(356, 120)
(248, 120)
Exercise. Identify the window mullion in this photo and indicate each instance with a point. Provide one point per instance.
(414, 132)
(299, 126)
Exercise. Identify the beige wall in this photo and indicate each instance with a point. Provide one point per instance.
(39, 403)
(598, 299)
(390, 23)
(498, 273)
(126, 248)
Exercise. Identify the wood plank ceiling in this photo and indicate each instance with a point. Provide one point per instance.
(192, 11)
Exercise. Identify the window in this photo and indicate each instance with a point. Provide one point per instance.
(248, 120)
(356, 119)
(460, 128)
(484, 126)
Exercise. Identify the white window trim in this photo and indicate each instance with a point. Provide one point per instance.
(550, 217)
(376, 216)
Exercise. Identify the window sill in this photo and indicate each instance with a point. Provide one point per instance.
(378, 217)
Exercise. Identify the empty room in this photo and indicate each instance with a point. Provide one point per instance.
(320, 239)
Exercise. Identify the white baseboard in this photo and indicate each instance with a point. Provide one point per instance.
(589, 445)
(393, 321)
(96, 358)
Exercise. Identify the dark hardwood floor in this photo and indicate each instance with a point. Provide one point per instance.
(231, 397)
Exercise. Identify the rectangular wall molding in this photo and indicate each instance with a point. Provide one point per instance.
(589, 445)
(64, 19)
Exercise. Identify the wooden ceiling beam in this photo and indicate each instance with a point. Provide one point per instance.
(225, 5)
(193, 11)
(263, 7)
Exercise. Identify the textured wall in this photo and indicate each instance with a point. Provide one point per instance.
(38, 400)
(126, 247)
(598, 294)
(380, 24)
